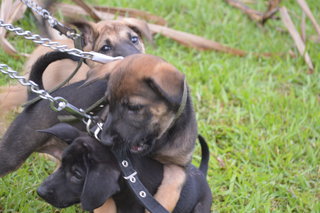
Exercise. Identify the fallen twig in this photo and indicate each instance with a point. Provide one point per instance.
(253, 14)
(296, 37)
(90, 10)
(194, 41)
(133, 13)
(257, 16)
(9, 12)
(184, 38)
(273, 7)
(303, 4)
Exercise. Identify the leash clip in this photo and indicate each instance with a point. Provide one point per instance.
(131, 177)
(98, 57)
(97, 129)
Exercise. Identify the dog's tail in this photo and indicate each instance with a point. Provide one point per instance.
(43, 62)
(205, 156)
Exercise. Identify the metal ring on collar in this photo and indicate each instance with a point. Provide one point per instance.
(131, 177)
(58, 104)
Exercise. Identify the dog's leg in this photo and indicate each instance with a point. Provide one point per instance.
(169, 191)
(21, 139)
(108, 207)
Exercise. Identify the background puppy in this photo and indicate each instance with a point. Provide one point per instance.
(89, 174)
(16, 148)
(112, 37)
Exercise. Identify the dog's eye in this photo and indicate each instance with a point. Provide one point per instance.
(76, 175)
(134, 39)
(134, 108)
(105, 48)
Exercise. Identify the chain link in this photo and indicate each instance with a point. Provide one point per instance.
(45, 41)
(5, 69)
(42, 12)
(53, 22)
(57, 103)
(98, 57)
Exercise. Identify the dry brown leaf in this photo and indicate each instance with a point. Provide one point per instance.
(6, 46)
(273, 7)
(296, 37)
(194, 41)
(17, 11)
(303, 4)
(110, 12)
(10, 11)
(253, 14)
(184, 38)
(133, 13)
(71, 11)
(90, 10)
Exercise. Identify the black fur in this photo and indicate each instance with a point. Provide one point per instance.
(21, 139)
(43, 62)
(89, 174)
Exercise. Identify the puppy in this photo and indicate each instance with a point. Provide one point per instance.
(16, 148)
(112, 38)
(151, 113)
(89, 174)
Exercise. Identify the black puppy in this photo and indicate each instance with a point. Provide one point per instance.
(89, 174)
(21, 139)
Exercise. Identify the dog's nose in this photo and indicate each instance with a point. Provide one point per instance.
(125, 50)
(44, 192)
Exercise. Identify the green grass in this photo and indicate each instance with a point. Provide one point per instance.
(261, 116)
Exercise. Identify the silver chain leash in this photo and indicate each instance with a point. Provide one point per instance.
(42, 12)
(53, 22)
(57, 103)
(98, 57)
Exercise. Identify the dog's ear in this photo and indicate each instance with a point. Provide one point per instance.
(88, 31)
(170, 85)
(63, 131)
(140, 27)
(102, 71)
(100, 184)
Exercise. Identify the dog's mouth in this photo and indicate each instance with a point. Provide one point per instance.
(139, 148)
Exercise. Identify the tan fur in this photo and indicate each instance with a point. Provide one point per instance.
(128, 79)
(169, 191)
(15, 95)
(108, 207)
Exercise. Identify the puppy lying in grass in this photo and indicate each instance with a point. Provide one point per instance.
(112, 38)
(90, 175)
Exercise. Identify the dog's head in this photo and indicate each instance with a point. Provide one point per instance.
(88, 173)
(114, 37)
(145, 94)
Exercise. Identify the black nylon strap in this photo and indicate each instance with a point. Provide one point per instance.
(142, 194)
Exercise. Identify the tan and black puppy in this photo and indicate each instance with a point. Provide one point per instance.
(90, 174)
(151, 113)
(113, 38)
